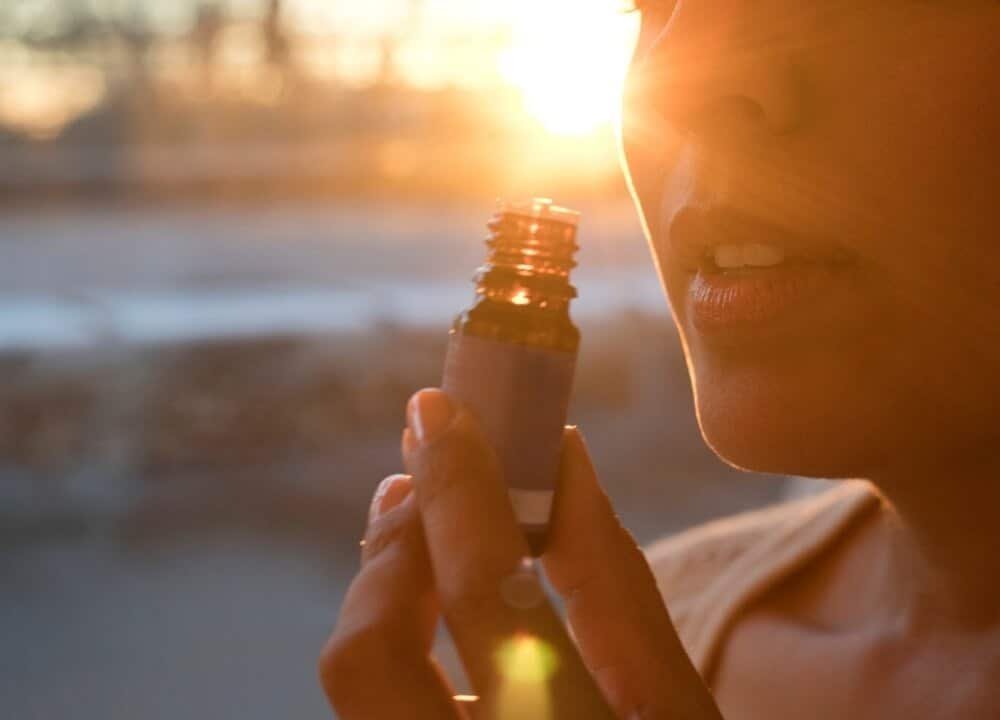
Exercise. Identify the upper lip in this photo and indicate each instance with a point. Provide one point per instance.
(693, 233)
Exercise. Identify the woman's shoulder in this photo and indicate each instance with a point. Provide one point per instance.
(706, 574)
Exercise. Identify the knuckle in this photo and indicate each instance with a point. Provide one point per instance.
(384, 533)
(348, 658)
(459, 454)
(339, 664)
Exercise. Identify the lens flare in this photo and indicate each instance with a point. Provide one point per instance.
(525, 664)
(525, 658)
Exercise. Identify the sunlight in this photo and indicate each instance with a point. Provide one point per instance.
(568, 60)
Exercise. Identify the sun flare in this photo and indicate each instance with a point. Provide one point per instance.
(568, 59)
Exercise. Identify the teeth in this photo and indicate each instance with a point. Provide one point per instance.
(762, 255)
(729, 257)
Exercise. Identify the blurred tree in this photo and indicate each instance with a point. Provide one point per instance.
(137, 38)
(204, 38)
(117, 38)
(66, 27)
(393, 39)
(276, 42)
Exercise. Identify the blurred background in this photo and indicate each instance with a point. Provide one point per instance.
(232, 237)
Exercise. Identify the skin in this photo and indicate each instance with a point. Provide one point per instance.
(874, 126)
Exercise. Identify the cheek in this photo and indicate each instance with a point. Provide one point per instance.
(915, 167)
(927, 160)
(651, 146)
(914, 129)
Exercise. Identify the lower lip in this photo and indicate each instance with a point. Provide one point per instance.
(722, 302)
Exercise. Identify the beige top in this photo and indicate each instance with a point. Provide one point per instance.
(707, 575)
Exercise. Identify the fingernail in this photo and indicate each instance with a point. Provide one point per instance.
(429, 412)
(389, 494)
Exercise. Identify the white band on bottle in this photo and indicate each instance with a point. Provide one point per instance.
(531, 507)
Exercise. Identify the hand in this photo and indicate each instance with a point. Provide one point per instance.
(444, 538)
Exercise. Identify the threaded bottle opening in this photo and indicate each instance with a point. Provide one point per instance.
(532, 242)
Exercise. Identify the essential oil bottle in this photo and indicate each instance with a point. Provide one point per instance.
(511, 356)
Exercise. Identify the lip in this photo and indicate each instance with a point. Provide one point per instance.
(720, 302)
(694, 231)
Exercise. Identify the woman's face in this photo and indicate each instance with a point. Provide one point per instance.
(820, 181)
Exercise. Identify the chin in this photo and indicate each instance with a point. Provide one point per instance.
(785, 421)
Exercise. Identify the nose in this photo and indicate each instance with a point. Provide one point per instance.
(719, 67)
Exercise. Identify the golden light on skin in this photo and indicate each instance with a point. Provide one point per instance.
(525, 663)
(568, 60)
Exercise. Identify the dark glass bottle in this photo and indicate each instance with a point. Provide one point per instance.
(511, 355)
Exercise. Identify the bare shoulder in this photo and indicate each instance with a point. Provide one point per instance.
(709, 571)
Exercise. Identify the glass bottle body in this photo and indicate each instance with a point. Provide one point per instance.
(511, 355)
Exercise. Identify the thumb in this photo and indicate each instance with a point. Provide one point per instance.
(618, 617)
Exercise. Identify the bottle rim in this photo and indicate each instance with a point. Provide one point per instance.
(539, 208)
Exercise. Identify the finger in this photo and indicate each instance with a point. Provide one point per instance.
(384, 527)
(376, 663)
(476, 549)
(618, 617)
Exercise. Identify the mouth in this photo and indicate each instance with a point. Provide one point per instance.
(741, 273)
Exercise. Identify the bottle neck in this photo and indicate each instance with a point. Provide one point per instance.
(521, 295)
(528, 263)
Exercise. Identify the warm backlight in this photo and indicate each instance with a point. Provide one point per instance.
(568, 59)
